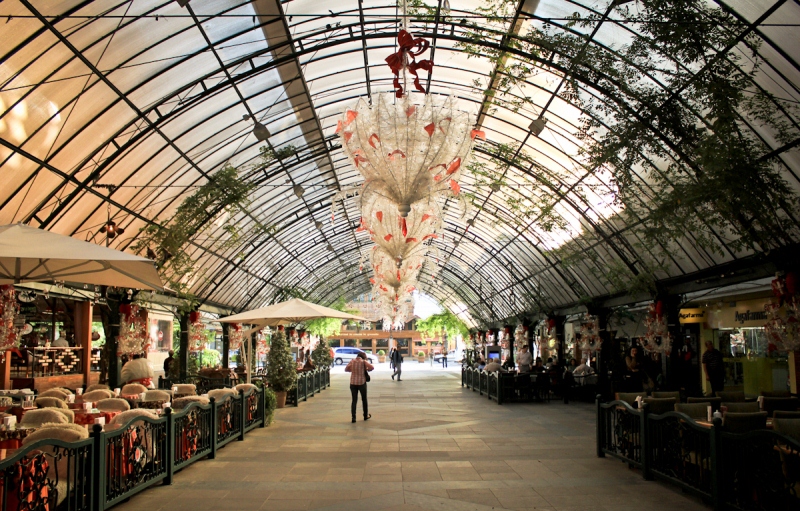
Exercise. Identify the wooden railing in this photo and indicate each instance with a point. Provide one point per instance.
(758, 470)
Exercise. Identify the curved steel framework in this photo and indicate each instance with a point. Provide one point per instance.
(153, 98)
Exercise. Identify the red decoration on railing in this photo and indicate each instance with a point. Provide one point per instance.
(409, 49)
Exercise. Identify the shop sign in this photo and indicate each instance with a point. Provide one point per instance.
(686, 316)
(750, 313)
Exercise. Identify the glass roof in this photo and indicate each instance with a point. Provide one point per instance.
(154, 99)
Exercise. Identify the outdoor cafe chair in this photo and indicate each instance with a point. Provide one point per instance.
(50, 402)
(776, 393)
(629, 397)
(55, 392)
(113, 404)
(731, 396)
(697, 411)
(783, 414)
(715, 402)
(744, 422)
(658, 406)
(664, 394)
(788, 404)
(35, 418)
(97, 395)
(741, 407)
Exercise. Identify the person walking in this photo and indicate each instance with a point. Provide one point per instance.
(714, 366)
(391, 357)
(397, 360)
(358, 368)
(444, 359)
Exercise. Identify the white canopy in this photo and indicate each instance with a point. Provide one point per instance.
(28, 254)
(287, 313)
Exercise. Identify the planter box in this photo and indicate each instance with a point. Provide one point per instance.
(382, 359)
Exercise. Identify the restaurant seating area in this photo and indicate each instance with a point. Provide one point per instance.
(734, 456)
(109, 450)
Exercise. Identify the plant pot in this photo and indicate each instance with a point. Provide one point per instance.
(382, 359)
(280, 398)
(421, 360)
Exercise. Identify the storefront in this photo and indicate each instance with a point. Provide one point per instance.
(736, 328)
(373, 341)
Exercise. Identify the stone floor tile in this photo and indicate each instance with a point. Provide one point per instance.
(430, 445)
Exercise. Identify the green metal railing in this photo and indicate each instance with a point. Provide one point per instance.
(308, 384)
(758, 470)
(119, 461)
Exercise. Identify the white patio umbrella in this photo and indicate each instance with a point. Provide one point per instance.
(285, 313)
(28, 254)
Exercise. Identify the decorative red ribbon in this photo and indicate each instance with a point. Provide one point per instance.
(413, 47)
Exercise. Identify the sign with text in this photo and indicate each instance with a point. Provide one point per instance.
(686, 316)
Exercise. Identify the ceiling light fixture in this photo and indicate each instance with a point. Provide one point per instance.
(261, 132)
(537, 126)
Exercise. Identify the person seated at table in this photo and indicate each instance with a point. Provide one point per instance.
(549, 363)
(573, 364)
(61, 342)
(494, 366)
(480, 363)
(508, 365)
(309, 365)
(584, 369)
(138, 371)
(524, 360)
(539, 366)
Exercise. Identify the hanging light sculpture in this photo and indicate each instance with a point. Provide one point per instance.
(408, 152)
(657, 338)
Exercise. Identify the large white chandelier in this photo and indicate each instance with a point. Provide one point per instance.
(411, 154)
(408, 152)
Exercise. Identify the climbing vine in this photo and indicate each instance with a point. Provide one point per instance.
(674, 126)
(218, 202)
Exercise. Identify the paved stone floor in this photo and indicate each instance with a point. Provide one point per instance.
(430, 445)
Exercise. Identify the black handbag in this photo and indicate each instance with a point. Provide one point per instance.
(366, 373)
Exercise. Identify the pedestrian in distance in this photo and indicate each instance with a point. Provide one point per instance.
(444, 359)
(359, 376)
(397, 360)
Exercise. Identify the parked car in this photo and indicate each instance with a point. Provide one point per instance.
(345, 355)
(451, 356)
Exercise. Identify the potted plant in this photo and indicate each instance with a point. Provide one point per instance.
(282, 374)
(381, 356)
(421, 357)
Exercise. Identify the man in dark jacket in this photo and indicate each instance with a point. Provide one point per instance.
(397, 361)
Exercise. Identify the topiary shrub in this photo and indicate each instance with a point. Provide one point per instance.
(421, 354)
(381, 353)
(282, 371)
(322, 354)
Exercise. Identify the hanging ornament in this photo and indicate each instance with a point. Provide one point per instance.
(657, 338)
(133, 336)
(197, 337)
(590, 334)
(520, 337)
(235, 336)
(9, 309)
(783, 318)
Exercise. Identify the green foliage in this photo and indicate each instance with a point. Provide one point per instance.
(209, 358)
(444, 321)
(381, 353)
(682, 160)
(322, 354)
(219, 200)
(282, 371)
(271, 404)
(327, 327)
(421, 354)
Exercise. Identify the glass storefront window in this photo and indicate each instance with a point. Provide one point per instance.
(367, 343)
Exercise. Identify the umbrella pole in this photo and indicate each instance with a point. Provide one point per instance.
(250, 350)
